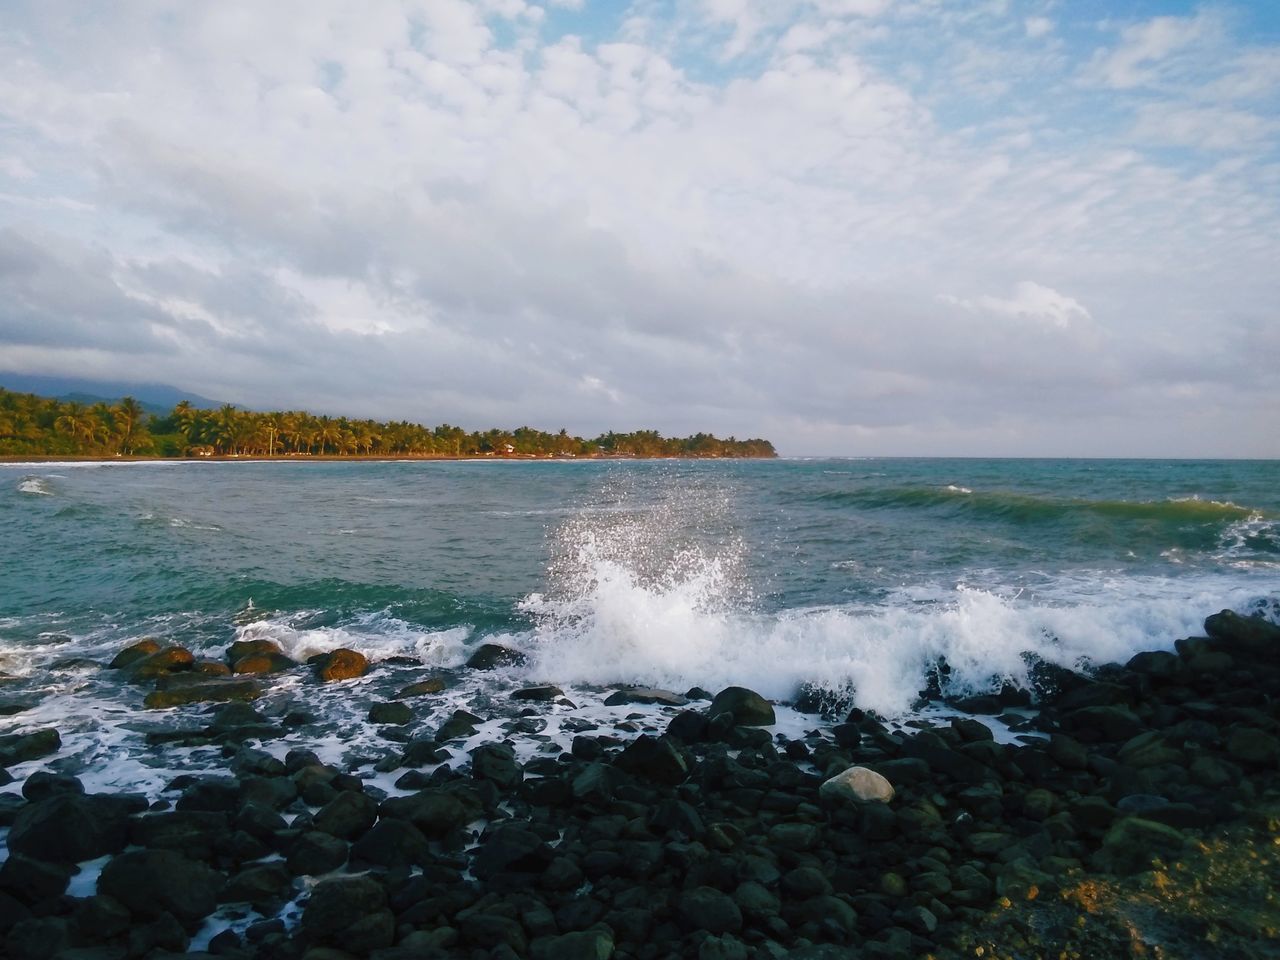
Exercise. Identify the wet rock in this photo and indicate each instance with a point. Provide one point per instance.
(38, 938)
(544, 693)
(434, 812)
(341, 664)
(152, 882)
(689, 726)
(1254, 746)
(645, 695)
(857, 784)
(101, 917)
(240, 649)
(706, 908)
(1068, 752)
(263, 886)
(69, 828)
(350, 913)
(42, 785)
(1157, 664)
(594, 944)
(511, 849)
(1102, 724)
(1132, 842)
(1149, 749)
(347, 815)
(392, 843)
(390, 713)
(597, 783)
(654, 759)
(216, 794)
(134, 653)
(460, 724)
(21, 747)
(496, 763)
(492, 931)
(748, 708)
(31, 880)
(211, 668)
(487, 656)
(196, 833)
(165, 661)
(315, 853)
(1252, 634)
(234, 715)
(422, 688)
(202, 690)
(263, 663)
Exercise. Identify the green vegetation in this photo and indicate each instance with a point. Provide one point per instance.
(39, 426)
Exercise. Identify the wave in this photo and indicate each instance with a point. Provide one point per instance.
(1028, 508)
(375, 635)
(626, 606)
(36, 486)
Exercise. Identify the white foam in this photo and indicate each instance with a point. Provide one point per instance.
(375, 636)
(36, 486)
(616, 614)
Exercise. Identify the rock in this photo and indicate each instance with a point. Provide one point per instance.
(1148, 750)
(544, 693)
(492, 930)
(422, 687)
(392, 843)
(240, 649)
(168, 660)
(645, 695)
(21, 747)
(347, 815)
(262, 663)
(203, 690)
(390, 713)
(496, 763)
(1132, 842)
(211, 668)
(653, 759)
(723, 948)
(434, 812)
(793, 836)
(196, 833)
(597, 784)
(133, 653)
(755, 901)
(38, 938)
(101, 917)
(594, 944)
(351, 913)
(341, 664)
(460, 724)
(1068, 752)
(1251, 745)
(688, 726)
(857, 783)
(1157, 664)
(152, 882)
(70, 828)
(315, 853)
(1252, 634)
(511, 849)
(1102, 723)
(264, 886)
(706, 908)
(236, 714)
(487, 656)
(748, 708)
(32, 880)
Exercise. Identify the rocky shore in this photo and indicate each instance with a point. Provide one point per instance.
(1136, 814)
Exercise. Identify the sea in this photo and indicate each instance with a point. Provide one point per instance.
(853, 577)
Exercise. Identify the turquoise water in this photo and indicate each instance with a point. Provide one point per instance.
(853, 574)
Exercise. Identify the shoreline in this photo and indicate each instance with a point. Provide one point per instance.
(688, 826)
(335, 458)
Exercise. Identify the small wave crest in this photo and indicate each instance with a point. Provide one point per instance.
(36, 486)
(376, 636)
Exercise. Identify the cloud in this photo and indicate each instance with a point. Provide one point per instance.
(1037, 26)
(457, 211)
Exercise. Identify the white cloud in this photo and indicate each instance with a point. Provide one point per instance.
(1029, 301)
(1148, 49)
(1037, 26)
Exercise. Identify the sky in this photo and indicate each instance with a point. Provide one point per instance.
(854, 227)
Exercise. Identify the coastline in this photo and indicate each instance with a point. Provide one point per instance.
(1134, 810)
(336, 458)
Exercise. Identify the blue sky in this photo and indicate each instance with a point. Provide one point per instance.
(1017, 227)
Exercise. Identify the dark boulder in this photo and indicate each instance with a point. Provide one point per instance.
(487, 656)
(69, 828)
(265, 886)
(350, 913)
(202, 689)
(348, 815)
(543, 693)
(460, 724)
(709, 909)
(1102, 724)
(21, 747)
(315, 853)
(42, 785)
(645, 695)
(391, 844)
(511, 848)
(168, 660)
(422, 687)
(390, 713)
(31, 880)
(688, 726)
(496, 763)
(748, 708)
(153, 882)
(263, 663)
(434, 812)
(1250, 634)
(653, 759)
(240, 649)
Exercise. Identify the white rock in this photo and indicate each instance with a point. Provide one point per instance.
(857, 783)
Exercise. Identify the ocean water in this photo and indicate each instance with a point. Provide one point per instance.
(851, 575)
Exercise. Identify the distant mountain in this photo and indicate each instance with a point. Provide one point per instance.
(156, 398)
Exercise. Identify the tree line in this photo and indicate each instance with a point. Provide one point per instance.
(31, 425)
